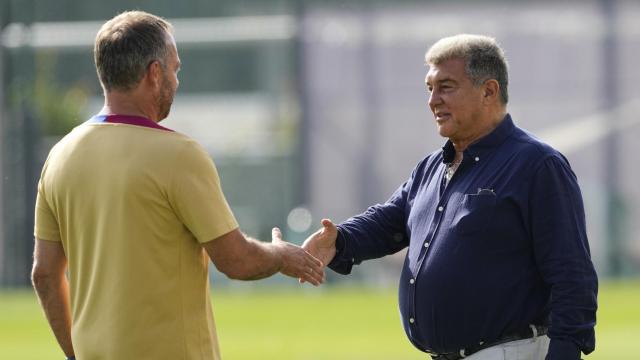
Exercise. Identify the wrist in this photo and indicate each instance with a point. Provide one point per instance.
(278, 256)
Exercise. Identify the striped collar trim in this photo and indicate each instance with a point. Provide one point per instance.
(129, 120)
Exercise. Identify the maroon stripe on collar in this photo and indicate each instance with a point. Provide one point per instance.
(130, 120)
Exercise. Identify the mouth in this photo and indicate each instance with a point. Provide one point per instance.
(442, 116)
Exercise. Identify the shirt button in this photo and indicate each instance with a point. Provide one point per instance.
(477, 159)
(411, 281)
(426, 244)
(412, 320)
(440, 208)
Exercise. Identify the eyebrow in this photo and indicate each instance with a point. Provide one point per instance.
(440, 81)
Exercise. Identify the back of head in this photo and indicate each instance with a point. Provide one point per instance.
(483, 58)
(126, 45)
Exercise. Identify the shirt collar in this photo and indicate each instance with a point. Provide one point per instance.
(486, 143)
(128, 119)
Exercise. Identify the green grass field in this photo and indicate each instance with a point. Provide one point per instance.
(325, 323)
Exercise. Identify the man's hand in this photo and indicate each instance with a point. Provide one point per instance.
(322, 243)
(296, 262)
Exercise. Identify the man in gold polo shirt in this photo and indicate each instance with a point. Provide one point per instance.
(131, 209)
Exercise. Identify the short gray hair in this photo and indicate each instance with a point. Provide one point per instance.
(483, 59)
(126, 45)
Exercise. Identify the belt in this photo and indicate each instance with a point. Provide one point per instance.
(531, 332)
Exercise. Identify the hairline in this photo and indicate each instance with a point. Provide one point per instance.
(462, 47)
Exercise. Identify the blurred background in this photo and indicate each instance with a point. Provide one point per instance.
(315, 109)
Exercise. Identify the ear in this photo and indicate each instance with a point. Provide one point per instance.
(154, 74)
(490, 91)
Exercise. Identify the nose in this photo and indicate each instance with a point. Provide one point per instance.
(434, 98)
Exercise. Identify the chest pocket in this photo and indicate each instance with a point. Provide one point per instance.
(475, 212)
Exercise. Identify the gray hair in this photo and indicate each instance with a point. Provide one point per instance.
(126, 45)
(483, 58)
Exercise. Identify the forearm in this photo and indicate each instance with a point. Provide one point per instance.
(243, 258)
(260, 261)
(53, 294)
(378, 232)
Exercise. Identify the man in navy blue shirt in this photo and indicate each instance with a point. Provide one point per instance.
(498, 265)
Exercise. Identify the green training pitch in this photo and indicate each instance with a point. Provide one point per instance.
(313, 324)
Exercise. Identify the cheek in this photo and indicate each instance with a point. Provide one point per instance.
(175, 81)
(460, 107)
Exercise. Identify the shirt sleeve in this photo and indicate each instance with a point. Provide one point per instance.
(196, 195)
(563, 257)
(378, 232)
(45, 223)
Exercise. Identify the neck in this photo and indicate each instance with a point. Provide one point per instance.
(491, 123)
(458, 158)
(127, 103)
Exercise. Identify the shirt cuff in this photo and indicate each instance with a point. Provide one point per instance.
(562, 350)
(341, 262)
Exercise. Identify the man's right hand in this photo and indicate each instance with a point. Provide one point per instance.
(322, 243)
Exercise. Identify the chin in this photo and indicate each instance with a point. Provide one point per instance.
(164, 114)
(444, 132)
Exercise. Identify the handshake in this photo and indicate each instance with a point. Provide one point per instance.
(243, 258)
(307, 263)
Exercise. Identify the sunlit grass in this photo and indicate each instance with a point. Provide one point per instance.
(308, 323)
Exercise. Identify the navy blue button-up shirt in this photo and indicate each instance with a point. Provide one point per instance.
(502, 246)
